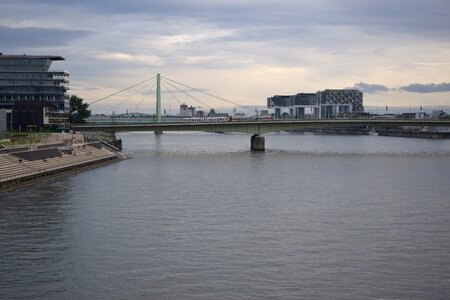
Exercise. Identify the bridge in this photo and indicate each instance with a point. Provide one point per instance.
(255, 128)
(258, 128)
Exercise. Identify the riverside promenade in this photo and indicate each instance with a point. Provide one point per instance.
(27, 165)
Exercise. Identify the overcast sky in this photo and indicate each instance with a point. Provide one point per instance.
(396, 51)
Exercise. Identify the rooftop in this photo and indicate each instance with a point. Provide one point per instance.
(52, 57)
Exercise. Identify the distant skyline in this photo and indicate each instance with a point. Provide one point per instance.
(396, 52)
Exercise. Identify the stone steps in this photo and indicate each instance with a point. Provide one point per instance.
(11, 168)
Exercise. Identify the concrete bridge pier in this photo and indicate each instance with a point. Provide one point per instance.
(257, 143)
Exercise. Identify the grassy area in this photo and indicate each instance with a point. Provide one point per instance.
(22, 138)
(5, 142)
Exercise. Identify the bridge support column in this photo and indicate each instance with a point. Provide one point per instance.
(257, 143)
(158, 98)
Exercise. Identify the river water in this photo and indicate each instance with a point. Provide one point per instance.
(199, 216)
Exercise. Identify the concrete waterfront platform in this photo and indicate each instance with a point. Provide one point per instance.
(17, 172)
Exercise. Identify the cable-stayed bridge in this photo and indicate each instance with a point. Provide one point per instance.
(172, 88)
(256, 128)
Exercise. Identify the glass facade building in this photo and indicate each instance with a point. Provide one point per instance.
(28, 77)
(327, 104)
(339, 102)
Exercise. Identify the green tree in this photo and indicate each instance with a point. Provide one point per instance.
(78, 110)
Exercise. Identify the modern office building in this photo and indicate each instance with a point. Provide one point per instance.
(295, 104)
(186, 111)
(334, 103)
(305, 99)
(36, 115)
(280, 101)
(325, 104)
(28, 77)
(3, 122)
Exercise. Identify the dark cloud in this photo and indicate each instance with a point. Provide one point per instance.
(370, 88)
(410, 16)
(412, 88)
(426, 88)
(38, 37)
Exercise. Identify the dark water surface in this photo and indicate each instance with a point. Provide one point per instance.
(198, 216)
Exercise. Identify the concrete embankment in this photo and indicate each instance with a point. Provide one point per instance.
(415, 134)
(382, 131)
(25, 166)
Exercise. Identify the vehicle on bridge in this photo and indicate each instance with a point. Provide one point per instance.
(235, 118)
(205, 119)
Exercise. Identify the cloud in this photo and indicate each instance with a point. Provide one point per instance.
(370, 88)
(407, 16)
(125, 57)
(412, 88)
(38, 37)
(427, 88)
(239, 49)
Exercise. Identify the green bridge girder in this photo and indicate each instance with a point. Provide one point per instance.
(258, 128)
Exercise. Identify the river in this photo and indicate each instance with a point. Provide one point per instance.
(199, 216)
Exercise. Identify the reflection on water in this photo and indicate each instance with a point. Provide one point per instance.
(35, 242)
(198, 215)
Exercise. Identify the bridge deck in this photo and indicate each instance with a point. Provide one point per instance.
(260, 127)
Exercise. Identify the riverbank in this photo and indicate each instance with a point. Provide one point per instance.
(31, 164)
(408, 133)
(414, 134)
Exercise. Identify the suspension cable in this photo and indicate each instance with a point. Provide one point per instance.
(189, 95)
(206, 93)
(129, 97)
(149, 91)
(130, 87)
(176, 98)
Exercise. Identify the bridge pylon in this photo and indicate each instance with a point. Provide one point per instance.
(158, 98)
